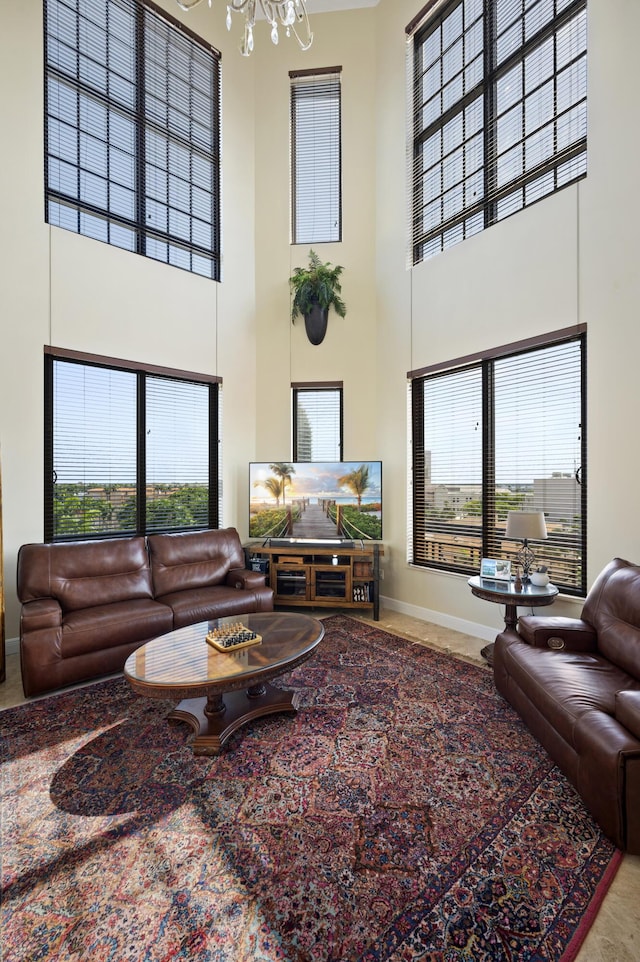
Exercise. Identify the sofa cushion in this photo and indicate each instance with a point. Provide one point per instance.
(628, 710)
(564, 684)
(217, 601)
(613, 608)
(107, 626)
(198, 559)
(82, 574)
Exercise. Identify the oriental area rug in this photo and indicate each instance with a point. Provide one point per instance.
(405, 813)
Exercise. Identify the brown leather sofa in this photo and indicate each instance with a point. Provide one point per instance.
(576, 683)
(86, 605)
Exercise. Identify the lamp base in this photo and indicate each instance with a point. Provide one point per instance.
(525, 558)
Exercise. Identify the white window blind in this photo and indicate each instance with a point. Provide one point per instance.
(94, 450)
(128, 450)
(499, 113)
(316, 188)
(317, 423)
(504, 433)
(132, 131)
(177, 454)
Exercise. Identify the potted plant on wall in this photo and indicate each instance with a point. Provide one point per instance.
(316, 289)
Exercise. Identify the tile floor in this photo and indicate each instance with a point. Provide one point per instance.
(615, 934)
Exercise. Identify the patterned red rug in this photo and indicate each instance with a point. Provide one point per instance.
(404, 814)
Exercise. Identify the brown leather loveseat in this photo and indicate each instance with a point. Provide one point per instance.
(86, 605)
(576, 683)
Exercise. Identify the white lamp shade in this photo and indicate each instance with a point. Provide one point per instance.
(526, 525)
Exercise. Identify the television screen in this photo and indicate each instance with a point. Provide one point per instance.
(316, 500)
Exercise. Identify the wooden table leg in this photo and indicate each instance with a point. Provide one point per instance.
(510, 621)
(215, 719)
(511, 616)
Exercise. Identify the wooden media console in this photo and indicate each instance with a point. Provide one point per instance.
(332, 576)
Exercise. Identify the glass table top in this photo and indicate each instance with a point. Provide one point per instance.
(507, 588)
(184, 657)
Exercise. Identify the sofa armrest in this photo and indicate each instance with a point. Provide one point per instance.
(557, 633)
(43, 613)
(245, 579)
(627, 711)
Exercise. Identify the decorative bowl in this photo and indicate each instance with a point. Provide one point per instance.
(539, 578)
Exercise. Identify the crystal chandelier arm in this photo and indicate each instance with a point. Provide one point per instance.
(189, 4)
(302, 17)
(290, 14)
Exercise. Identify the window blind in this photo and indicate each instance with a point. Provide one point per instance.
(132, 131)
(448, 460)
(92, 485)
(176, 454)
(317, 423)
(128, 450)
(500, 113)
(316, 188)
(506, 432)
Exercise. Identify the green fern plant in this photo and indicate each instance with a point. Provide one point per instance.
(316, 284)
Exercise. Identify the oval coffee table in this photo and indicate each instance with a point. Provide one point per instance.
(221, 691)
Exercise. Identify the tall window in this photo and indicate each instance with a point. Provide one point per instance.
(500, 113)
(317, 422)
(505, 432)
(132, 131)
(316, 189)
(128, 450)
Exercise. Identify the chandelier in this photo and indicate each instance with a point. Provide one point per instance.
(290, 14)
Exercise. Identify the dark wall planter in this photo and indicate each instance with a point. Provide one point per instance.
(315, 323)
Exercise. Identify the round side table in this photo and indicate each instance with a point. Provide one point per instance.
(504, 593)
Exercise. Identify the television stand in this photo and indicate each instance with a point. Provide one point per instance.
(318, 574)
(308, 543)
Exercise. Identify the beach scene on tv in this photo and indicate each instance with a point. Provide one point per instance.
(316, 500)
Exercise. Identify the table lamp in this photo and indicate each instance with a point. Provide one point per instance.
(525, 526)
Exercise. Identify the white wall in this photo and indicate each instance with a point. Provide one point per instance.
(570, 259)
(348, 352)
(57, 288)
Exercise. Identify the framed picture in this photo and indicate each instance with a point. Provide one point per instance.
(495, 568)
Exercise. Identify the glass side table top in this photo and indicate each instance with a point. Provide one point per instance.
(506, 592)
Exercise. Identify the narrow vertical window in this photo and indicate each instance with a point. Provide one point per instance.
(317, 422)
(316, 157)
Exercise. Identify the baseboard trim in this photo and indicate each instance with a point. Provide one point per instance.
(12, 646)
(439, 618)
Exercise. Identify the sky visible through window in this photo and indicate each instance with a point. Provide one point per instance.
(95, 428)
(537, 419)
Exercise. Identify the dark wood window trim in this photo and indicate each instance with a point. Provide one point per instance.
(499, 391)
(190, 395)
(316, 155)
(132, 131)
(499, 113)
(515, 347)
(122, 364)
(308, 388)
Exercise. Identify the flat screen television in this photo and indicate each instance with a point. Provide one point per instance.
(315, 501)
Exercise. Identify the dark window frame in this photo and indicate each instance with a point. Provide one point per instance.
(454, 195)
(320, 387)
(309, 84)
(141, 372)
(491, 538)
(144, 174)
